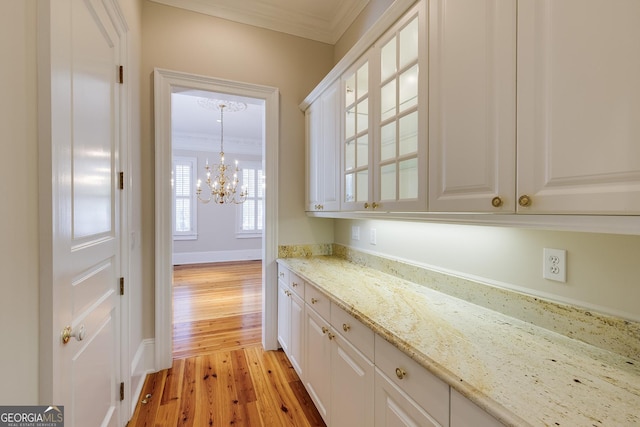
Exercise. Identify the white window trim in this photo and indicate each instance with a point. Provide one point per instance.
(193, 233)
(240, 233)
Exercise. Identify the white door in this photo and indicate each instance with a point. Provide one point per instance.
(352, 375)
(578, 106)
(318, 362)
(472, 105)
(85, 216)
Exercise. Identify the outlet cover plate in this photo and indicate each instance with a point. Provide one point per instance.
(554, 264)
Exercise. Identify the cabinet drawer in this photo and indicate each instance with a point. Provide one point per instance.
(318, 301)
(359, 335)
(296, 284)
(283, 274)
(428, 391)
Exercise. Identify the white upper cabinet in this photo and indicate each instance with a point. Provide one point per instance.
(385, 135)
(579, 106)
(401, 132)
(472, 101)
(356, 137)
(323, 161)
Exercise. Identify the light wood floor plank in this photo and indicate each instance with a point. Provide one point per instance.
(220, 373)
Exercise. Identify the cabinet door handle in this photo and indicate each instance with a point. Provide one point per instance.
(345, 327)
(496, 202)
(400, 373)
(524, 201)
(331, 336)
(313, 300)
(374, 205)
(366, 205)
(287, 293)
(325, 329)
(294, 284)
(282, 274)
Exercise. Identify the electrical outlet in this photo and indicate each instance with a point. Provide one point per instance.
(355, 232)
(554, 265)
(373, 237)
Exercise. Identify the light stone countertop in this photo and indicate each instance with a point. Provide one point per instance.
(519, 373)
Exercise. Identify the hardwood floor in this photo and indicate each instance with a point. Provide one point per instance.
(220, 373)
(216, 306)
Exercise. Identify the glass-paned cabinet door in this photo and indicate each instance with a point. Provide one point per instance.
(356, 138)
(400, 165)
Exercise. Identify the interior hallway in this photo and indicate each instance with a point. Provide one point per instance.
(220, 374)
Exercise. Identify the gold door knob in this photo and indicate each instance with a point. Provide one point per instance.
(400, 373)
(67, 334)
(374, 205)
(325, 329)
(331, 336)
(314, 300)
(345, 327)
(366, 205)
(524, 201)
(496, 202)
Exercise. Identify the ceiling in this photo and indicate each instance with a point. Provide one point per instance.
(321, 20)
(197, 128)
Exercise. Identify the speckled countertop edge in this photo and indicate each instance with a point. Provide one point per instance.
(514, 370)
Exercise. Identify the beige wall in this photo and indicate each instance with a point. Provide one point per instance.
(602, 269)
(189, 42)
(366, 18)
(19, 189)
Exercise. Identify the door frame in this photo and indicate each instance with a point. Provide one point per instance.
(164, 83)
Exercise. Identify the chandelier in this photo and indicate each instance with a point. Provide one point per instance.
(221, 188)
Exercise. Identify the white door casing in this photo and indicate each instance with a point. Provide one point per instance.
(165, 82)
(80, 128)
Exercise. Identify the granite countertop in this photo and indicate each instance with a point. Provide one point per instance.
(519, 373)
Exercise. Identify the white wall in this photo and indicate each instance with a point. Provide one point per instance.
(19, 218)
(602, 269)
(217, 239)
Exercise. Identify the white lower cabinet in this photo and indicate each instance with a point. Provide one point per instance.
(318, 358)
(393, 407)
(464, 413)
(291, 318)
(334, 356)
(340, 378)
(352, 380)
(406, 393)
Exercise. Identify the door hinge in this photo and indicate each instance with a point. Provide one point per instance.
(121, 74)
(121, 181)
(122, 286)
(121, 391)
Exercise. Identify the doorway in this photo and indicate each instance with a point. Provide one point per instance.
(167, 83)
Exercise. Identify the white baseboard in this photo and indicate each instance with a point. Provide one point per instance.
(142, 364)
(216, 256)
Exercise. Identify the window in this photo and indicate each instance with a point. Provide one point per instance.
(184, 198)
(251, 212)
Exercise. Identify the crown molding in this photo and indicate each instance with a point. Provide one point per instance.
(292, 19)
